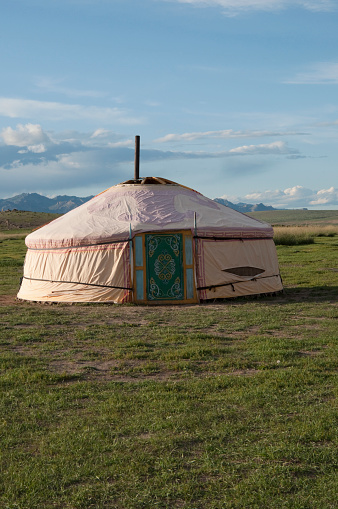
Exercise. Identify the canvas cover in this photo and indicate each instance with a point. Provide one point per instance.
(94, 274)
(110, 215)
(233, 268)
(85, 255)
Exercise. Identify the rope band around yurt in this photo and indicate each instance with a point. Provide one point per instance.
(210, 287)
(128, 240)
(230, 238)
(77, 283)
(79, 246)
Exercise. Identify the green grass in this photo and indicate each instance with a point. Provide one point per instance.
(21, 219)
(297, 217)
(226, 405)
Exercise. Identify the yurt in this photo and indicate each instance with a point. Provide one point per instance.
(150, 241)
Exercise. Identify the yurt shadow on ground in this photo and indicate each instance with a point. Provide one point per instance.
(150, 241)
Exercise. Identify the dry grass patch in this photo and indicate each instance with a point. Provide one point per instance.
(298, 235)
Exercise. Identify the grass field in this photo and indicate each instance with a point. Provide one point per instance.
(298, 217)
(225, 405)
(20, 219)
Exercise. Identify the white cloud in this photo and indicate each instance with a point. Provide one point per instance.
(326, 197)
(32, 139)
(104, 137)
(30, 145)
(101, 137)
(223, 134)
(37, 149)
(315, 5)
(63, 167)
(321, 73)
(292, 197)
(31, 158)
(277, 147)
(24, 135)
(125, 143)
(78, 173)
(26, 108)
(234, 7)
(35, 140)
(100, 133)
(30, 136)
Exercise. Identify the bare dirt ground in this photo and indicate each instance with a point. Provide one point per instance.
(74, 360)
(8, 300)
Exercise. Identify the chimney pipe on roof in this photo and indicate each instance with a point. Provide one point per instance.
(137, 159)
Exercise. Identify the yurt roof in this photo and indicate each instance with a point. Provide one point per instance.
(146, 205)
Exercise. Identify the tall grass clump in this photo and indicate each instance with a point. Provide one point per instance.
(300, 235)
(285, 237)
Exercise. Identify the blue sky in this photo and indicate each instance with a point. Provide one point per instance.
(235, 98)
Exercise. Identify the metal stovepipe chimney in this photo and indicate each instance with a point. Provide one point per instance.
(137, 159)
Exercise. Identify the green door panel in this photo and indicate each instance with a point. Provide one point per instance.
(164, 256)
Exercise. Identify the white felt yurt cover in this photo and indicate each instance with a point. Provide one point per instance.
(109, 216)
(84, 255)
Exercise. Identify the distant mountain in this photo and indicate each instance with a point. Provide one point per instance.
(34, 202)
(244, 207)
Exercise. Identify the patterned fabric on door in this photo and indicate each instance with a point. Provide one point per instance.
(164, 254)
